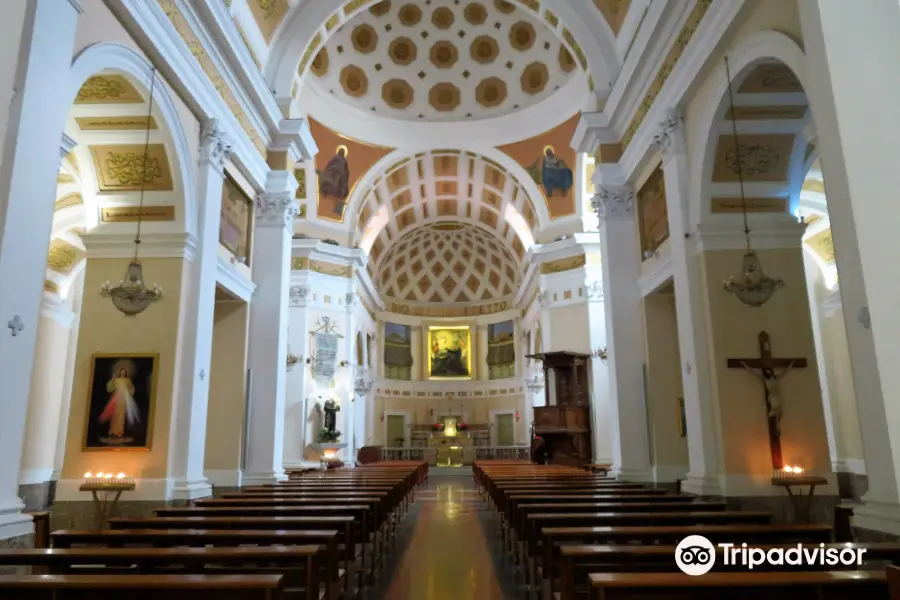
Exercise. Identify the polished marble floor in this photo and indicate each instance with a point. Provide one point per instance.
(444, 552)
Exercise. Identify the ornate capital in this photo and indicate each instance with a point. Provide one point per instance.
(613, 202)
(351, 301)
(300, 295)
(215, 144)
(594, 291)
(544, 298)
(274, 210)
(670, 137)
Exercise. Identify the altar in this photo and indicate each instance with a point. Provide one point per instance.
(451, 447)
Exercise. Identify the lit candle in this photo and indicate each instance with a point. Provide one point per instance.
(88, 475)
(108, 476)
(788, 469)
(120, 476)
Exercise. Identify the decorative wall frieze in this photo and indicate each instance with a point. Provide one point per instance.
(670, 137)
(544, 298)
(614, 202)
(215, 144)
(351, 301)
(594, 290)
(276, 209)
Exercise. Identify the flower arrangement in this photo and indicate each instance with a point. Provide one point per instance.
(462, 427)
(329, 437)
(437, 427)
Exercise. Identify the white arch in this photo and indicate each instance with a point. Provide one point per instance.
(105, 55)
(515, 170)
(302, 24)
(764, 45)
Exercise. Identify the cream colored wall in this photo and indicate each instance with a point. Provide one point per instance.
(227, 386)
(664, 380)
(759, 15)
(476, 411)
(45, 399)
(105, 330)
(12, 28)
(734, 328)
(848, 437)
(569, 329)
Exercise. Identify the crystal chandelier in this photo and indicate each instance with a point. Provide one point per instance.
(131, 297)
(362, 383)
(752, 287)
(535, 383)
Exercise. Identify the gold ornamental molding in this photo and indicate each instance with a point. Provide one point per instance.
(108, 89)
(173, 13)
(563, 264)
(754, 205)
(63, 256)
(136, 123)
(323, 268)
(439, 311)
(119, 168)
(823, 245)
(67, 201)
(681, 42)
(131, 214)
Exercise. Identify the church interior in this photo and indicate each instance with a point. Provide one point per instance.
(439, 299)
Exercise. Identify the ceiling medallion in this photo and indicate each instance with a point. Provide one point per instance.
(534, 78)
(397, 93)
(444, 55)
(381, 9)
(491, 92)
(475, 13)
(354, 81)
(364, 38)
(484, 49)
(319, 65)
(410, 15)
(403, 51)
(566, 60)
(752, 287)
(443, 18)
(504, 6)
(522, 36)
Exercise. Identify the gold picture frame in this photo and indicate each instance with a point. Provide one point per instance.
(120, 408)
(449, 352)
(682, 419)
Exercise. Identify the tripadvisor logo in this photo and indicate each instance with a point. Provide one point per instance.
(696, 555)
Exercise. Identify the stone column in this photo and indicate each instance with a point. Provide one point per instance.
(419, 370)
(190, 408)
(349, 407)
(68, 377)
(479, 361)
(601, 400)
(296, 421)
(858, 132)
(275, 212)
(28, 172)
(704, 451)
(45, 401)
(614, 205)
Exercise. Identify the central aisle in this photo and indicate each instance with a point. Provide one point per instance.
(447, 556)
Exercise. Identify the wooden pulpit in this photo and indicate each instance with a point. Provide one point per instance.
(565, 422)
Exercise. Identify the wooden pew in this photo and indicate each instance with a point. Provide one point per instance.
(133, 540)
(812, 585)
(142, 587)
(577, 562)
(553, 538)
(303, 567)
(893, 577)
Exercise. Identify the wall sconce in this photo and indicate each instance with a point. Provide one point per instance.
(344, 363)
(601, 353)
(292, 360)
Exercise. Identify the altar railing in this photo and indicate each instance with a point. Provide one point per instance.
(396, 453)
(481, 453)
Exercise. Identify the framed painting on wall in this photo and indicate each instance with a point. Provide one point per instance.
(121, 401)
(449, 352)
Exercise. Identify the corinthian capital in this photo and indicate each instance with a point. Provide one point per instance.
(612, 202)
(300, 295)
(276, 210)
(670, 135)
(215, 144)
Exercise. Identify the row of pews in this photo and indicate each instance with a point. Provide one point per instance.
(574, 534)
(320, 535)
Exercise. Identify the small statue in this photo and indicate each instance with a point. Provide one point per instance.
(331, 409)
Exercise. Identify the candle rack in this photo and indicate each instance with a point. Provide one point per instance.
(111, 488)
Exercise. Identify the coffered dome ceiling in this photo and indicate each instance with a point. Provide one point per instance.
(443, 60)
(448, 263)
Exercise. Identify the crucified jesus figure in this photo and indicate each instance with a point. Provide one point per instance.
(771, 380)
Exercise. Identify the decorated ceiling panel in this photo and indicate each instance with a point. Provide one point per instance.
(442, 60)
(444, 185)
(448, 263)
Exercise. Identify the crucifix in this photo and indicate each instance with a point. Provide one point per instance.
(766, 369)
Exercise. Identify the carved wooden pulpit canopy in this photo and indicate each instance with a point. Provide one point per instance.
(565, 421)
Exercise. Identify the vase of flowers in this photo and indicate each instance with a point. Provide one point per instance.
(462, 427)
(437, 427)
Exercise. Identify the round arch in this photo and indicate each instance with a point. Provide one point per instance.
(765, 45)
(106, 56)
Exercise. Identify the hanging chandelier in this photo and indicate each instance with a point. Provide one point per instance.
(131, 297)
(752, 287)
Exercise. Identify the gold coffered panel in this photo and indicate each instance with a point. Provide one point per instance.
(653, 215)
(444, 97)
(823, 245)
(754, 205)
(443, 17)
(475, 13)
(766, 113)
(562, 264)
(814, 185)
(115, 123)
(763, 157)
(320, 63)
(63, 256)
(131, 214)
(364, 38)
(491, 92)
(397, 93)
(771, 79)
(120, 168)
(484, 49)
(444, 55)
(354, 81)
(108, 89)
(268, 15)
(403, 50)
(67, 201)
(535, 78)
(522, 36)
(614, 11)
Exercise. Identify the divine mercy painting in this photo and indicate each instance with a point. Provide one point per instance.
(449, 353)
(120, 402)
